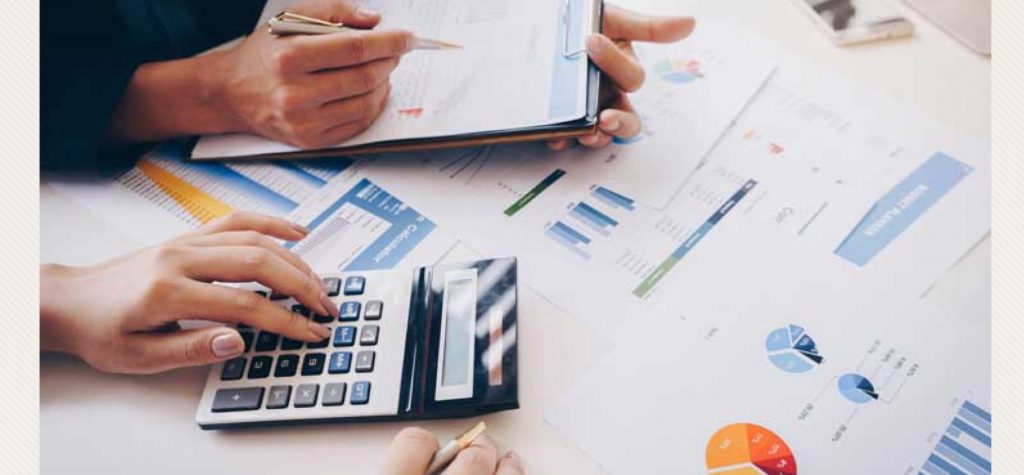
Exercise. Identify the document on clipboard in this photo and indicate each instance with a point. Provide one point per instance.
(522, 74)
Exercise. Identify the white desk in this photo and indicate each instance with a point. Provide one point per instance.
(100, 423)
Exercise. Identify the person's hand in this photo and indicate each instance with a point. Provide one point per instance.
(311, 91)
(612, 52)
(122, 315)
(413, 448)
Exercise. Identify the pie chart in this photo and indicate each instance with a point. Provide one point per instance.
(792, 350)
(857, 388)
(679, 71)
(748, 449)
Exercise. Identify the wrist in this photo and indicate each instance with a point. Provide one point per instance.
(213, 86)
(54, 285)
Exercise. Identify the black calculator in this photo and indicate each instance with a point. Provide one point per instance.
(439, 342)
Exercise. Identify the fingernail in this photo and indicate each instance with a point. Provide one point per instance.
(320, 330)
(366, 13)
(512, 455)
(328, 305)
(594, 44)
(611, 125)
(228, 345)
(299, 228)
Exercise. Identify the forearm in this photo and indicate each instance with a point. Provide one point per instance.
(52, 279)
(172, 99)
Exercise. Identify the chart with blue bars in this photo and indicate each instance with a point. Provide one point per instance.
(585, 221)
(966, 446)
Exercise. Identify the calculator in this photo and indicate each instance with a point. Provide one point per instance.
(437, 342)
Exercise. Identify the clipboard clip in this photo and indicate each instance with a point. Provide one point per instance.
(567, 51)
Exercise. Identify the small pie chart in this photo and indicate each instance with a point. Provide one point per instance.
(857, 388)
(748, 449)
(679, 71)
(792, 350)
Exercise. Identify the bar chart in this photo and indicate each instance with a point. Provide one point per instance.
(585, 220)
(966, 446)
(570, 238)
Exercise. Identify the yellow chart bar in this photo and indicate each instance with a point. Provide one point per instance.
(203, 207)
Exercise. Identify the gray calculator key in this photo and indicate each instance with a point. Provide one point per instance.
(374, 309)
(237, 399)
(360, 392)
(334, 394)
(305, 395)
(278, 397)
(233, 369)
(333, 285)
(368, 335)
(364, 361)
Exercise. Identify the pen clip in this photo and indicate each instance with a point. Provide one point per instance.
(295, 17)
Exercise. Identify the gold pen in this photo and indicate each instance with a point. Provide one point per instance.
(447, 453)
(287, 23)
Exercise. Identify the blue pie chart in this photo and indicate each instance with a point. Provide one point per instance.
(857, 388)
(792, 350)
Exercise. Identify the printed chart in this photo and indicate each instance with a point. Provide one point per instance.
(966, 446)
(792, 350)
(748, 449)
(587, 219)
(678, 71)
(857, 388)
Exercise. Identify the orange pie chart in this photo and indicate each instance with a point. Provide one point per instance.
(748, 449)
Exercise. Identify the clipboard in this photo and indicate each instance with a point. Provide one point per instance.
(585, 125)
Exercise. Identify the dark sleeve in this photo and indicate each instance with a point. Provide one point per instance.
(89, 51)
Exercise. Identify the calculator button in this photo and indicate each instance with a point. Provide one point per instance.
(318, 344)
(364, 361)
(354, 285)
(286, 366)
(247, 337)
(322, 318)
(305, 395)
(345, 336)
(275, 295)
(287, 344)
(368, 335)
(237, 399)
(313, 363)
(341, 362)
(334, 394)
(266, 341)
(233, 369)
(278, 397)
(333, 286)
(301, 310)
(360, 392)
(374, 309)
(349, 311)
(260, 367)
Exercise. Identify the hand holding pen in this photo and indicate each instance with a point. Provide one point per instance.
(415, 451)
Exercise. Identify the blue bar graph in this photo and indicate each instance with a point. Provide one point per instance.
(593, 218)
(570, 238)
(613, 199)
(966, 446)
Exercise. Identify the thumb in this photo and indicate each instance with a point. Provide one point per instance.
(339, 11)
(191, 347)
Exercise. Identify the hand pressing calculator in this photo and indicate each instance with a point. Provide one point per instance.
(439, 343)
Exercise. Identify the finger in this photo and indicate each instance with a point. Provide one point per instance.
(247, 263)
(510, 464)
(365, 107)
(619, 123)
(319, 52)
(596, 140)
(252, 239)
(623, 69)
(342, 132)
(331, 85)
(229, 305)
(479, 458)
(620, 23)
(558, 145)
(247, 221)
(410, 452)
(164, 351)
(339, 11)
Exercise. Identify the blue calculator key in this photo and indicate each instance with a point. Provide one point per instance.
(349, 311)
(287, 344)
(332, 285)
(360, 392)
(334, 394)
(305, 395)
(237, 399)
(319, 344)
(286, 366)
(354, 285)
(278, 397)
(260, 367)
(341, 362)
(247, 337)
(233, 369)
(313, 364)
(345, 336)
(267, 341)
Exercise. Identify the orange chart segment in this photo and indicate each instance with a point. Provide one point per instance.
(744, 448)
(201, 206)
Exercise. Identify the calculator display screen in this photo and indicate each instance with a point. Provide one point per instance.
(460, 316)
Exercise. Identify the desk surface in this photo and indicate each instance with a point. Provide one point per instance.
(98, 423)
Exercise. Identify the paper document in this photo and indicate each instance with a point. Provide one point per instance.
(515, 69)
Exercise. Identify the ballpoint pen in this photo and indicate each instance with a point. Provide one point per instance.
(287, 23)
(446, 454)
